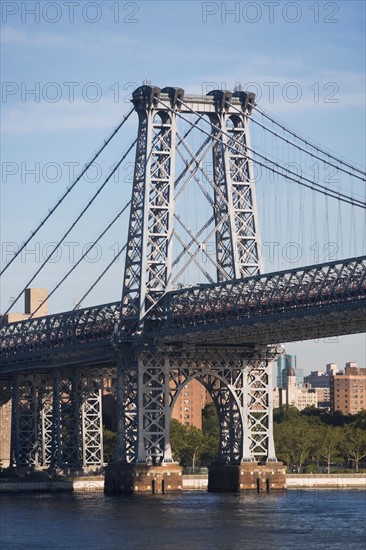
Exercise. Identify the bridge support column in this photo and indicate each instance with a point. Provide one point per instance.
(257, 468)
(77, 422)
(31, 429)
(24, 422)
(144, 461)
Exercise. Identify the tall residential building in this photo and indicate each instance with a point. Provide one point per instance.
(190, 402)
(332, 368)
(285, 362)
(348, 390)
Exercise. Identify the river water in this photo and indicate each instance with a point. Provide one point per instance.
(298, 519)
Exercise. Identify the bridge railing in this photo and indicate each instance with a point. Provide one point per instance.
(298, 289)
(309, 287)
(62, 330)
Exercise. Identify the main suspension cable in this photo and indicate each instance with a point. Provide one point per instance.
(100, 236)
(310, 183)
(301, 148)
(100, 276)
(90, 202)
(68, 190)
(316, 147)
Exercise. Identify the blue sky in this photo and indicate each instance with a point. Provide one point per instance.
(83, 64)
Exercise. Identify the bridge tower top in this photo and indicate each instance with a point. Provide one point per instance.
(166, 162)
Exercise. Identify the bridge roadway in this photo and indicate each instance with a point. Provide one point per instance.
(312, 302)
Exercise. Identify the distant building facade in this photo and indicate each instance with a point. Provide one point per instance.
(348, 390)
(320, 381)
(190, 402)
(34, 298)
(285, 362)
(294, 396)
(5, 433)
(299, 377)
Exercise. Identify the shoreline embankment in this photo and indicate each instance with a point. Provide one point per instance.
(190, 483)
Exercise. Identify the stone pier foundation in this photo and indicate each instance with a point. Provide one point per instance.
(5, 433)
(246, 476)
(127, 478)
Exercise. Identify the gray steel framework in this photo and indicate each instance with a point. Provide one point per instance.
(238, 381)
(235, 209)
(219, 333)
(149, 248)
(57, 421)
(296, 292)
(239, 309)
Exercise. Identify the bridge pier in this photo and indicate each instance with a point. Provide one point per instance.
(148, 385)
(125, 478)
(247, 476)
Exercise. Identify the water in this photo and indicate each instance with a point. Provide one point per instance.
(334, 519)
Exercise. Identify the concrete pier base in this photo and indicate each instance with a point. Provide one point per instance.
(140, 478)
(246, 476)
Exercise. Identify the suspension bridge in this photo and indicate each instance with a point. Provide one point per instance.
(196, 299)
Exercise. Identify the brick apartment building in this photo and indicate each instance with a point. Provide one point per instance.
(348, 390)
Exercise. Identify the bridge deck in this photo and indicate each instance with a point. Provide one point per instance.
(313, 302)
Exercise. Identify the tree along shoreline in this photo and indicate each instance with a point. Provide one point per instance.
(311, 441)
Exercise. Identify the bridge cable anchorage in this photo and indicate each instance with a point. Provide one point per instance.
(316, 147)
(303, 149)
(117, 216)
(90, 202)
(68, 190)
(311, 183)
(100, 276)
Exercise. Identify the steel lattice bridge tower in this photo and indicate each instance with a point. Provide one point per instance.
(237, 380)
(165, 332)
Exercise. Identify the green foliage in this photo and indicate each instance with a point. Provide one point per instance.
(286, 414)
(210, 420)
(294, 441)
(306, 439)
(353, 445)
(192, 447)
(312, 469)
(109, 445)
(359, 420)
(328, 440)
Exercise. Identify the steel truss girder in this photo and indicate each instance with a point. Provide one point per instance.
(148, 268)
(67, 334)
(77, 419)
(297, 291)
(127, 407)
(337, 287)
(149, 385)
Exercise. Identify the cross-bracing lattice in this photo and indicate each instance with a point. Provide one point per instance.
(188, 220)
